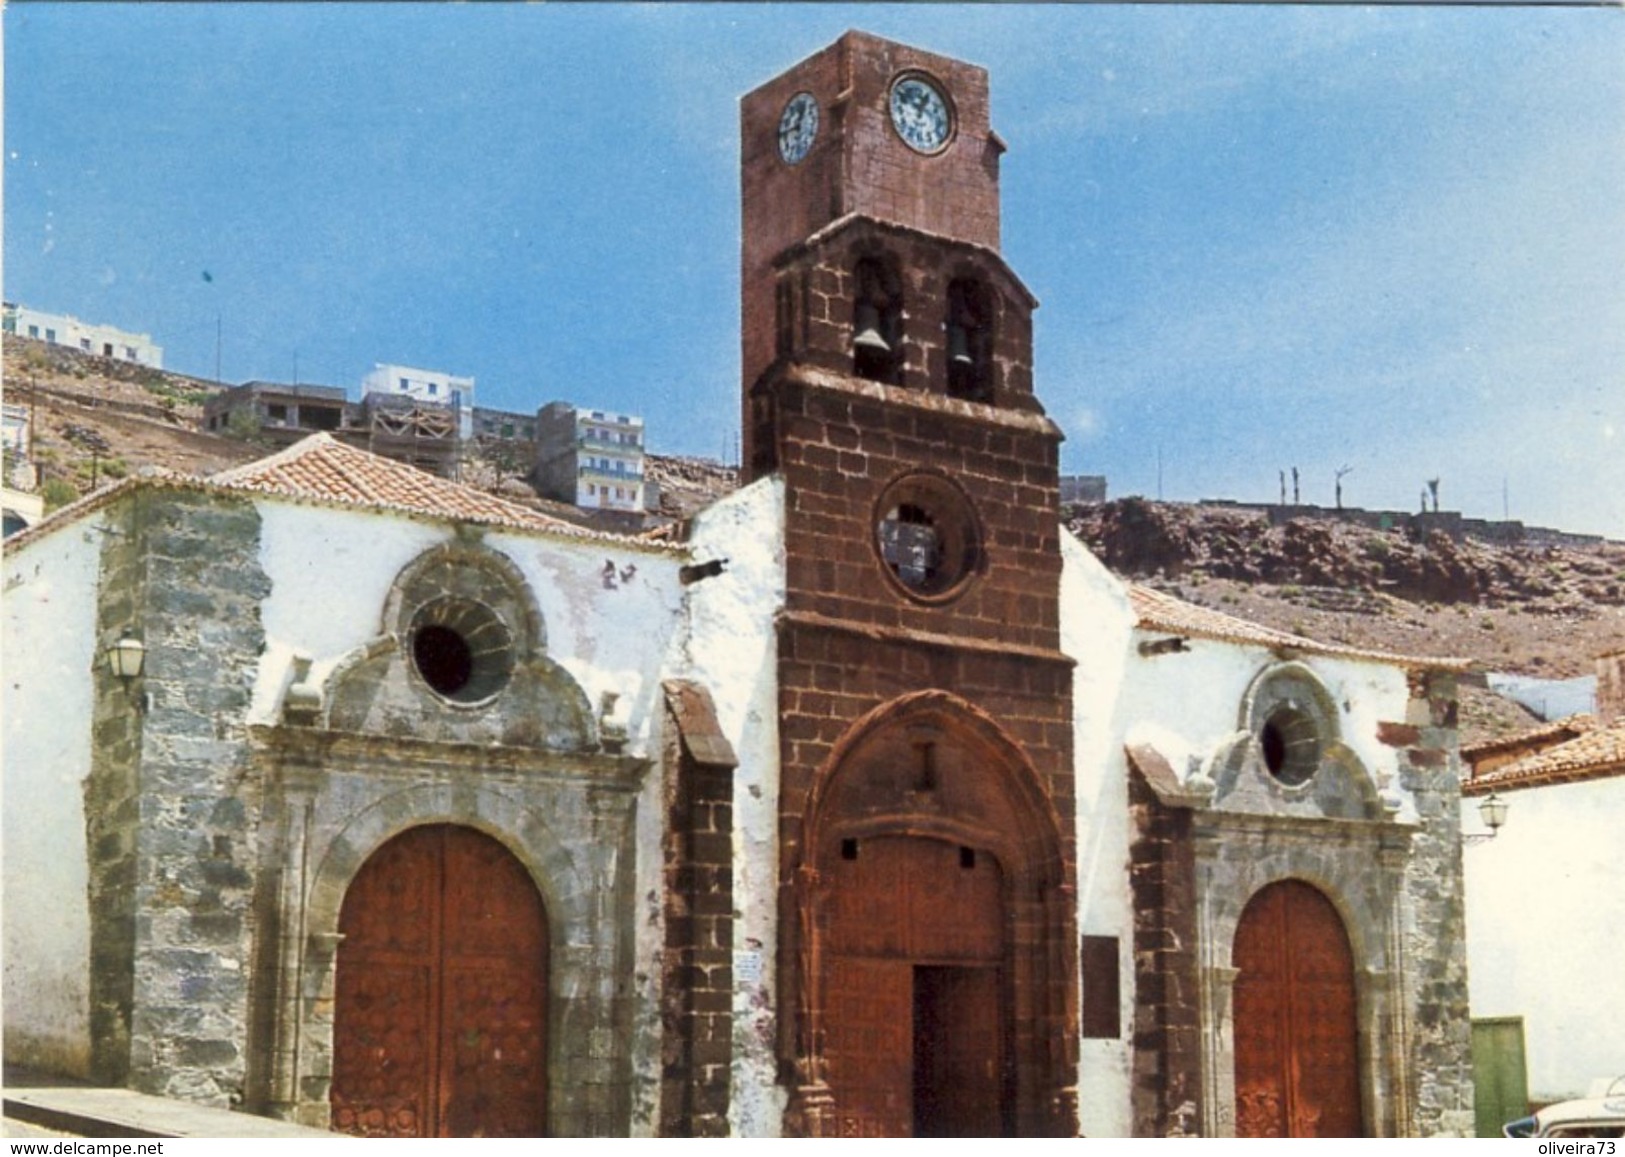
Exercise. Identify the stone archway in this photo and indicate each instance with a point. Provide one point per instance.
(933, 935)
(440, 1015)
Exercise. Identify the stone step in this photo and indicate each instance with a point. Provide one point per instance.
(90, 1111)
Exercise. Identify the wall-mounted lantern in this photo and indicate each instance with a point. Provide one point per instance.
(1492, 809)
(127, 656)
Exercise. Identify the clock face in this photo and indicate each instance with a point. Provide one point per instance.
(798, 125)
(919, 113)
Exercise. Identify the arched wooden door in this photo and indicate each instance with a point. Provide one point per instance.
(915, 987)
(441, 1014)
(1296, 1032)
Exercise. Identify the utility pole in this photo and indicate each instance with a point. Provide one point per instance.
(1340, 473)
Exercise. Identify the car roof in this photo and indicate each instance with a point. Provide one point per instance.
(1610, 1110)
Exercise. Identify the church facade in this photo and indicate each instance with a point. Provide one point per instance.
(871, 804)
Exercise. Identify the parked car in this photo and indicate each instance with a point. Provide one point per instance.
(1599, 1116)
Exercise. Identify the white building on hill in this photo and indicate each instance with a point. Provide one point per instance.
(433, 386)
(86, 337)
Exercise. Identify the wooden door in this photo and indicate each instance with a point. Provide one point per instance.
(1500, 1078)
(1297, 1039)
(958, 1077)
(441, 1010)
(914, 1032)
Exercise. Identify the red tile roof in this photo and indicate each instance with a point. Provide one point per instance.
(324, 471)
(1156, 611)
(1597, 753)
(1560, 730)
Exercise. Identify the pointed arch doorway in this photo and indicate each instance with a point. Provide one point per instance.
(1296, 1028)
(440, 1015)
(929, 935)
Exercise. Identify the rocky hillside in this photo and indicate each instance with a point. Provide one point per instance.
(1539, 611)
(96, 420)
(1543, 612)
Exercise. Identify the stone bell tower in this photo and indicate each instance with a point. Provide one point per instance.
(926, 909)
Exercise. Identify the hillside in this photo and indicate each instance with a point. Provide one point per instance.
(96, 419)
(1543, 612)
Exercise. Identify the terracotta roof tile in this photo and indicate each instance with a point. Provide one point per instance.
(1598, 752)
(1156, 611)
(1570, 725)
(320, 468)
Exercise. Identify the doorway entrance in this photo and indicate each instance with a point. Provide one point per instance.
(916, 990)
(1296, 1033)
(440, 1018)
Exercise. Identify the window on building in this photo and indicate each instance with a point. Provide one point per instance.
(84, 344)
(276, 412)
(129, 352)
(50, 335)
(406, 385)
(507, 429)
(434, 388)
(107, 349)
(877, 323)
(33, 331)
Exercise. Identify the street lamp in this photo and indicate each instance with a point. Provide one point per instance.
(1492, 809)
(127, 656)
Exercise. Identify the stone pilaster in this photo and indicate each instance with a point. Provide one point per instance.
(1434, 943)
(198, 798)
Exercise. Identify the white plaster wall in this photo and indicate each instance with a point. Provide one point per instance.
(330, 572)
(1096, 625)
(1186, 703)
(48, 648)
(732, 649)
(1544, 906)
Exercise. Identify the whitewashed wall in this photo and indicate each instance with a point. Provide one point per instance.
(1096, 625)
(48, 648)
(733, 651)
(1545, 912)
(331, 572)
(1184, 704)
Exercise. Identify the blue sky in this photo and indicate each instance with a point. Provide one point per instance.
(1386, 238)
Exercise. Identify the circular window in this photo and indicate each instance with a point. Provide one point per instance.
(1291, 742)
(462, 649)
(925, 534)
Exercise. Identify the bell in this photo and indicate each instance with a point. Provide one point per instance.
(959, 346)
(868, 330)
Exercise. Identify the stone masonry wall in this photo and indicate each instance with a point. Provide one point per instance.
(1167, 1076)
(857, 164)
(198, 803)
(112, 810)
(697, 993)
(1435, 935)
(841, 441)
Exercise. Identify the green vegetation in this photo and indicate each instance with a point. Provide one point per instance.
(58, 492)
(161, 386)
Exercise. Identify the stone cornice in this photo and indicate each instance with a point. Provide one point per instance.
(297, 750)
